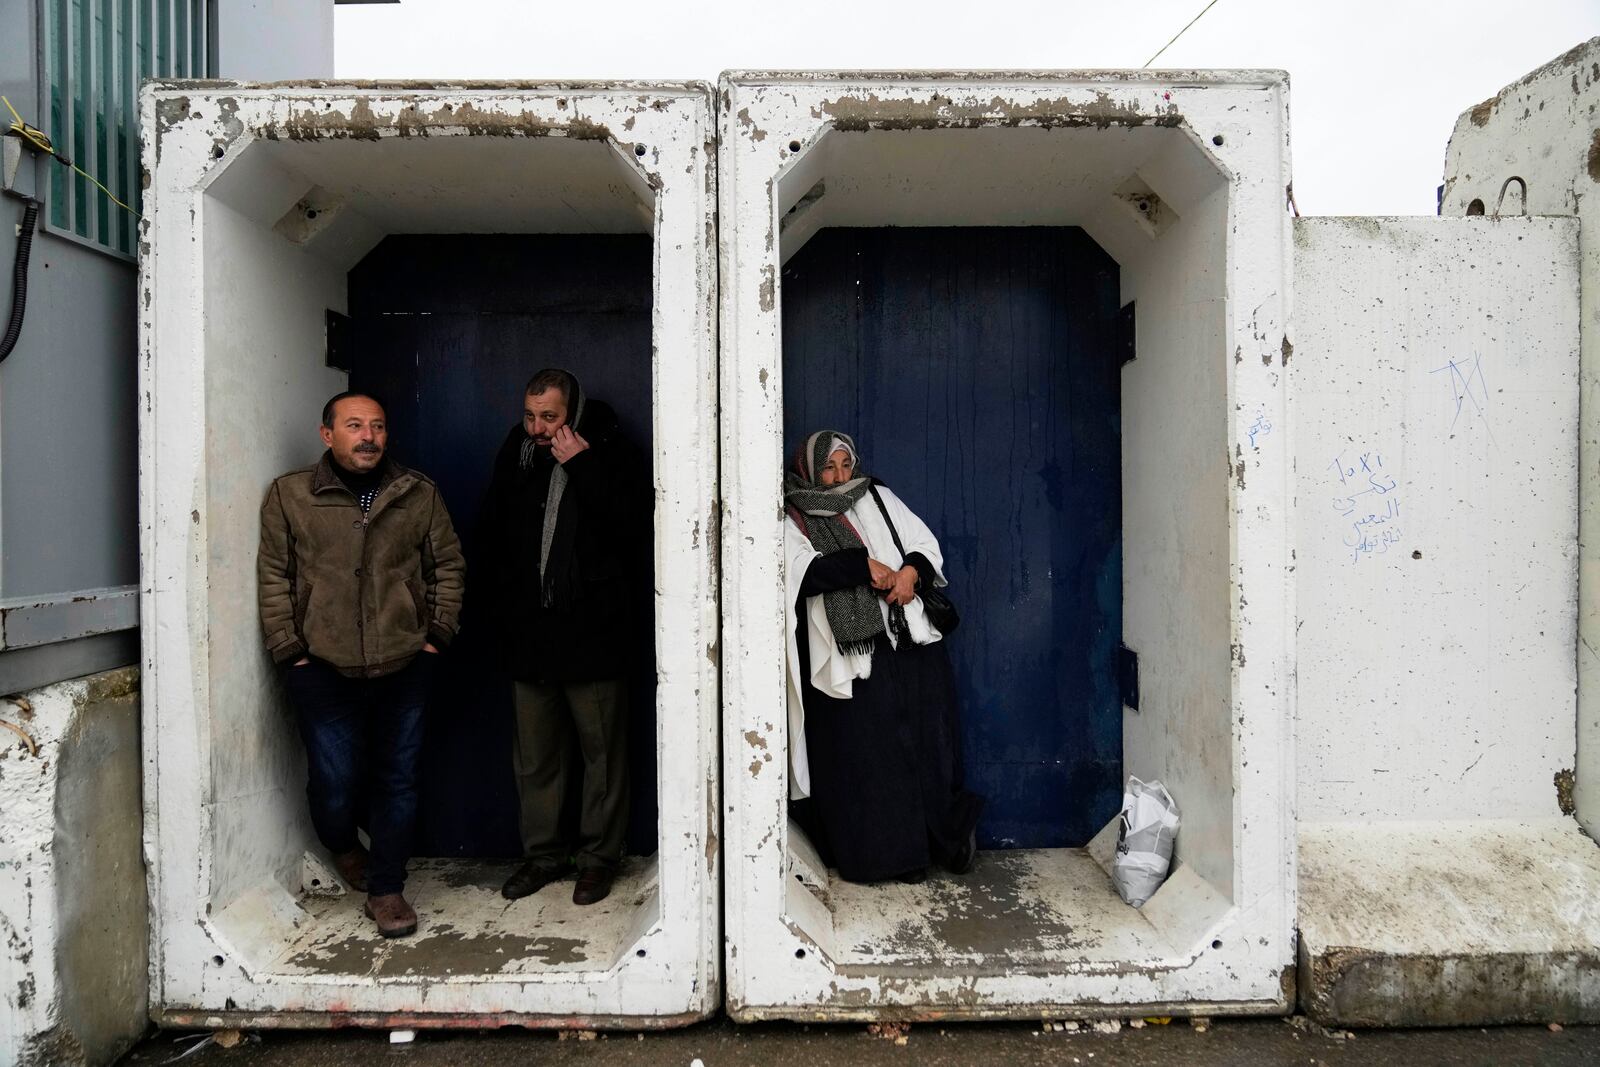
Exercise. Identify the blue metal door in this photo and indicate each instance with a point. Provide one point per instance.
(979, 369)
(447, 330)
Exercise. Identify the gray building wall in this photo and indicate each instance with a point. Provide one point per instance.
(68, 420)
(68, 405)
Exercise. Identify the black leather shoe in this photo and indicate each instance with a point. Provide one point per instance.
(594, 885)
(531, 877)
(962, 861)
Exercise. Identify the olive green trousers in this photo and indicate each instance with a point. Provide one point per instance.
(547, 718)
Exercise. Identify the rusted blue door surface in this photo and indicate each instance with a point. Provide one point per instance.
(979, 370)
(447, 330)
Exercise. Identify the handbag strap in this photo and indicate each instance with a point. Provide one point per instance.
(872, 487)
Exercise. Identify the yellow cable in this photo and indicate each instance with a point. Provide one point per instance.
(36, 137)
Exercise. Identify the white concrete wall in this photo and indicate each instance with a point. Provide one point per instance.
(231, 387)
(1176, 529)
(1020, 149)
(266, 380)
(1545, 130)
(1435, 425)
(72, 959)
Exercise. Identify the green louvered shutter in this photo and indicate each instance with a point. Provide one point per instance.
(96, 54)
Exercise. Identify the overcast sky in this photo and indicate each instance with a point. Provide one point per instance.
(1375, 85)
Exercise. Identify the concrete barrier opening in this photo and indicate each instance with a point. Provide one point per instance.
(435, 249)
(1057, 291)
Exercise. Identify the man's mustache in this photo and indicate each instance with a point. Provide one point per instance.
(366, 446)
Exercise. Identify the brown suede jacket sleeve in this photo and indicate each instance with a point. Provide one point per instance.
(444, 570)
(275, 582)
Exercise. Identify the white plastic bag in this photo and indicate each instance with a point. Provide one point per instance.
(1144, 840)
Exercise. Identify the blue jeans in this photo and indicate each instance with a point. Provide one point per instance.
(363, 740)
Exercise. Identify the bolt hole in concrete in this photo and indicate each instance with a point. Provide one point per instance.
(1217, 943)
(794, 146)
(1475, 208)
(217, 960)
(1416, 553)
(1217, 140)
(639, 150)
(479, 292)
(1016, 432)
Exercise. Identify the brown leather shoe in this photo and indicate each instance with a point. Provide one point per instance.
(395, 918)
(352, 867)
(594, 885)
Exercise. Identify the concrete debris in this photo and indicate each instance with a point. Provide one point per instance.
(1107, 1026)
(577, 1035)
(1136, 1024)
(896, 1032)
(1309, 1025)
(402, 1037)
(1200, 1024)
(1555, 1028)
(227, 1038)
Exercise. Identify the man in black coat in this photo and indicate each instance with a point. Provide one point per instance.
(567, 513)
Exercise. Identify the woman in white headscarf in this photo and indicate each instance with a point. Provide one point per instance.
(874, 727)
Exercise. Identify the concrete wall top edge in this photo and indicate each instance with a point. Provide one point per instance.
(1264, 78)
(692, 88)
(1561, 64)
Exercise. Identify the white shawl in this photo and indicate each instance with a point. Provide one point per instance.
(834, 672)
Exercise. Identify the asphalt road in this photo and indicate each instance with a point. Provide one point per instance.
(1254, 1042)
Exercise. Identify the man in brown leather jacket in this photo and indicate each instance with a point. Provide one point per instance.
(360, 579)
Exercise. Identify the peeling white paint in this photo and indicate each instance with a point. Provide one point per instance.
(48, 885)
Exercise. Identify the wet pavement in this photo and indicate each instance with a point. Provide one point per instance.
(1252, 1042)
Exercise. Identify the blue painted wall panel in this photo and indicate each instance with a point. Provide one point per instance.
(978, 369)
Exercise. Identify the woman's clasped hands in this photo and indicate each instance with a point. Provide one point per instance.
(897, 586)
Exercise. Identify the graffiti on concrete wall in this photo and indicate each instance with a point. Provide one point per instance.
(1367, 500)
(1467, 388)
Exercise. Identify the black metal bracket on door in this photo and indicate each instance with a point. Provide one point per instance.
(1126, 348)
(339, 340)
(1128, 676)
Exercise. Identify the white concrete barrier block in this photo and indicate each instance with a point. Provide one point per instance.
(1182, 178)
(260, 200)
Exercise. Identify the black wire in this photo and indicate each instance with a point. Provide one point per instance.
(19, 279)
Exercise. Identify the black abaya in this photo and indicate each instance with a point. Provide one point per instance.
(886, 773)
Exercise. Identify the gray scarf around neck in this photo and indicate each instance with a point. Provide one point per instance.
(819, 511)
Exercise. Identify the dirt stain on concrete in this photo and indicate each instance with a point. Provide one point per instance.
(443, 951)
(1566, 782)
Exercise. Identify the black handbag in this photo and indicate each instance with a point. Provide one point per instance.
(936, 603)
